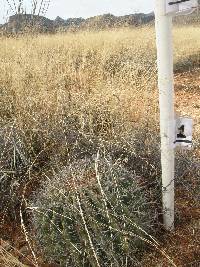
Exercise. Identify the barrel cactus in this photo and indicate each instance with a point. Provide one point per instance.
(92, 213)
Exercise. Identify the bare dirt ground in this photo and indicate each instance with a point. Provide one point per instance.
(183, 246)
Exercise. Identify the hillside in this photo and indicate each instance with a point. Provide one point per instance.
(26, 22)
(21, 22)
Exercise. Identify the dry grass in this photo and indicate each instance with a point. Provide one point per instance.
(7, 259)
(45, 78)
(60, 90)
(53, 87)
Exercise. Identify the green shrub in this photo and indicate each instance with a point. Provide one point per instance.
(93, 213)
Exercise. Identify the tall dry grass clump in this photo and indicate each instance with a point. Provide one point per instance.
(58, 89)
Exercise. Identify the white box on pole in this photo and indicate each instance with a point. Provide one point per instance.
(171, 9)
(178, 7)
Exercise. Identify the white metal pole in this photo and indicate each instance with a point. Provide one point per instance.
(166, 96)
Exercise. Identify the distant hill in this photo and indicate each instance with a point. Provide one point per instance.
(26, 22)
(21, 23)
(107, 21)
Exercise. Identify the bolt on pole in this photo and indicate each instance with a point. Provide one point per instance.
(164, 42)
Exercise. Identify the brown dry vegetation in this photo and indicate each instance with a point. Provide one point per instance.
(55, 90)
